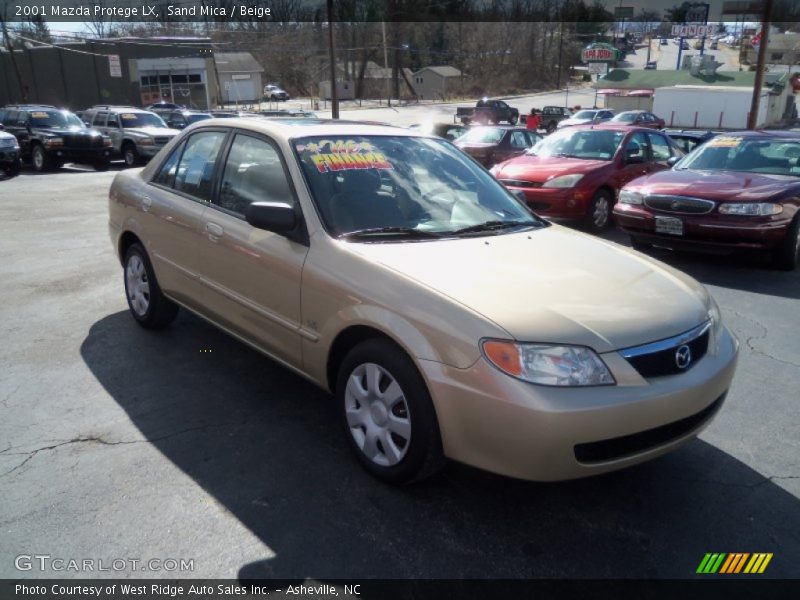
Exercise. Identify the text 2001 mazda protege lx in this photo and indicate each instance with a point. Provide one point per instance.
(446, 318)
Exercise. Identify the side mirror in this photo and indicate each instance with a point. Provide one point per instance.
(632, 154)
(673, 160)
(278, 217)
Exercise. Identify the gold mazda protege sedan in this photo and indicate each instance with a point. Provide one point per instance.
(446, 318)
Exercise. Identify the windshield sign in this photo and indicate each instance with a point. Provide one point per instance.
(746, 155)
(397, 188)
(55, 118)
(141, 120)
(588, 144)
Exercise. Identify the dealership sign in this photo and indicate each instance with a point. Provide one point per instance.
(693, 30)
(114, 66)
(600, 53)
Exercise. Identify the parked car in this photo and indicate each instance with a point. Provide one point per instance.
(664, 42)
(181, 119)
(575, 173)
(493, 144)
(551, 116)
(231, 114)
(651, 65)
(274, 92)
(332, 247)
(157, 106)
(291, 114)
(714, 45)
(688, 139)
(737, 191)
(587, 117)
(10, 154)
(487, 112)
(448, 131)
(50, 137)
(137, 135)
(638, 118)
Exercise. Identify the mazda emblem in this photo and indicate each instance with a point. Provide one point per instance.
(683, 356)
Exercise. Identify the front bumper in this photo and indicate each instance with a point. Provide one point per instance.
(706, 232)
(9, 155)
(563, 203)
(66, 154)
(495, 422)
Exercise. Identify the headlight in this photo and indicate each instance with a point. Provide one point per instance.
(565, 181)
(716, 324)
(630, 197)
(548, 365)
(147, 142)
(56, 141)
(751, 209)
(107, 142)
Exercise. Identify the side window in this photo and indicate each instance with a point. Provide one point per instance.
(253, 173)
(660, 147)
(532, 138)
(195, 173)
(638, 140)
(113, 121)
(11, 117)
(519, 140)
(166, 175)
(22, 117)
(100, 119)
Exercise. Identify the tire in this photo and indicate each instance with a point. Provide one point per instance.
(130, 154)
(411, 449)
(148, 305)
(41, 162)
(786, 255)
(551, 127)
(640, 245)
(273, 98)
(598, 215)
(101, 164)
(513, 120)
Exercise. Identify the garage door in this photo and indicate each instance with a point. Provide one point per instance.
(242, 90)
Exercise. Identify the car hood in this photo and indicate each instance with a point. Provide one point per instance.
(714, 185)
(70, 132)
(154, 131)
(539, 169)
(553, 285)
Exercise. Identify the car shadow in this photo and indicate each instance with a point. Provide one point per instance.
(70, 169)
(267, 446)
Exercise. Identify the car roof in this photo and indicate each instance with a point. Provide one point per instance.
(607, 126)
(29, 106)
(291, 128)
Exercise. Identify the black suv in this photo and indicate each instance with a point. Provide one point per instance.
(49, 137)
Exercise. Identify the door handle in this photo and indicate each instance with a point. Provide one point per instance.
(214, 231)
(146, 203)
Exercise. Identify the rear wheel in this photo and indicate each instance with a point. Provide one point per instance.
(387, 413)
(598, 217)
(513, 120)
(148, 305)
(786, 255)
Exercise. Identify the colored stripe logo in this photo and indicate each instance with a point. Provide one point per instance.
(734, 563)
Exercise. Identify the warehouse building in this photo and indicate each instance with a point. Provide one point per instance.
(239, 76)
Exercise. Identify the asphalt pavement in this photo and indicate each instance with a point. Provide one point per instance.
(119, 443)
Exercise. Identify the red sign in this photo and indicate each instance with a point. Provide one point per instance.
(598, 54)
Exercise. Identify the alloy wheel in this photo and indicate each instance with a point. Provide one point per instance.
(137, 285)
(600, 214)
(377, 414)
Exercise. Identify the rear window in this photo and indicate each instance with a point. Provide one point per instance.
(483, 135)
(746, 155)
(132, 119)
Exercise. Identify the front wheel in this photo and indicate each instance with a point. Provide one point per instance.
(388, 414)
(786, 255)
(513, 120)
(598, 217)
(41, 162)
(551, 127)
(130, 154)
(148, 305)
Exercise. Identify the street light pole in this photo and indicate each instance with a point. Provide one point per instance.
(332, 57)
(752, 118)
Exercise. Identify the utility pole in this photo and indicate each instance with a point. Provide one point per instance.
(22, 91)
(752, 119)
(386, 66)
(332, 57)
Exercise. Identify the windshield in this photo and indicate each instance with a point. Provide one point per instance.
(141, 120)
(585, 114)
(55, 118)
(589, 144)
(397, 187)
(746, 155)
(194, 118)
(625, 118)
(485, 135)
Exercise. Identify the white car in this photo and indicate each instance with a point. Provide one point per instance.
(10, 162)
(274, 92)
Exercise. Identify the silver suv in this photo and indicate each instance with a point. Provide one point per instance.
(137, 135)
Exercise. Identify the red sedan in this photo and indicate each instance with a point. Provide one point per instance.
(638, 118)
(493, 144)
(739, 190)
(576, 173)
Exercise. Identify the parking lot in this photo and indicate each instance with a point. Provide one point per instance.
(117, 442)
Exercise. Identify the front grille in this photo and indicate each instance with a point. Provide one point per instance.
(520, 183)
(83, 141)
(160, 141)
(635, 443)
(679, 204)
(661, 358)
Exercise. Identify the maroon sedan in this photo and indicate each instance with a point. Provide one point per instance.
(739, 190)
(493, 144)
(575, 173)
(638, 118)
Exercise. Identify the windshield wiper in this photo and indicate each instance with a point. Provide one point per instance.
(398, 231)
(494, 226)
